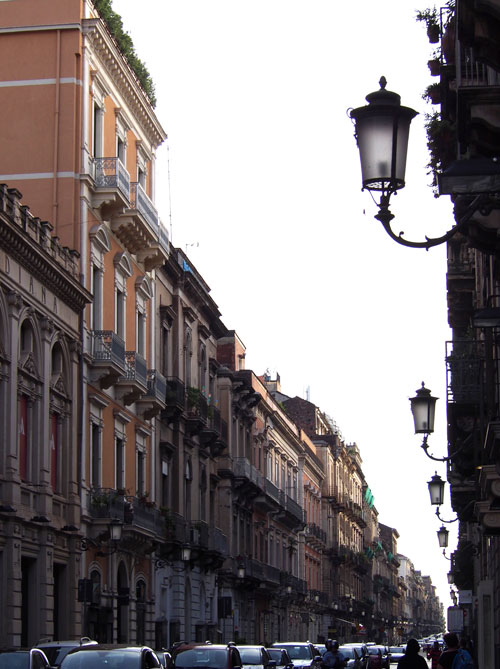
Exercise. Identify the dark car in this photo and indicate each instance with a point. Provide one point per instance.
(57, 650)
(31, 658)
(207, 656)
(119, 656)
(281, 657)
(302, 653)
(256, 656)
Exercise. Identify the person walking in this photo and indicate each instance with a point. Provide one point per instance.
(412, 659)
(333, 658)
(454, 655)
(434, 654)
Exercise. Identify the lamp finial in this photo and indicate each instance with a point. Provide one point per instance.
(383, 82)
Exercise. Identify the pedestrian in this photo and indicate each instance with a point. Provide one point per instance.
(333, 658)
(454, 656)
(412, 659)
(434, 654)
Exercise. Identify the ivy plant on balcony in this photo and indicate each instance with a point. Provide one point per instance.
(193, 398)
(441, 144)
(124, 41)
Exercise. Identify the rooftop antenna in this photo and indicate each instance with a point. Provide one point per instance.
(308, 393)
(195, 244)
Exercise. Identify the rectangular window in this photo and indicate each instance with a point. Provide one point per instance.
(164, 351)
(141, 333)
(97, 128)
(23, 438)
(141, 462)
(164, 484)
(120, 463)
(120, 150)
(120, 314)
(97, 301)
(95, 450)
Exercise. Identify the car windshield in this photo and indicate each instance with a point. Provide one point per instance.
(299, 652)
(55, 654)
(105, 659)
(275, 654)
(14, 660)
(373, 651)
(250, 655)
(348, 653)
(196, 658)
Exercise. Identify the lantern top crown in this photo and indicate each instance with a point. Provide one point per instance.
(382, 96)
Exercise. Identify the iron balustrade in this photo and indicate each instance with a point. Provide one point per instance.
(111, 173)
(272, 491)
(242, 467)
(217, 541)
(465, 371)
(135, 367)
(163, 237)
(141, 203)
(157, 384)
(176, 392)
(293, 508)
(107, 346)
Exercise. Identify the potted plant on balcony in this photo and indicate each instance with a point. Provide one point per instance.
(434, 64)
(433, 93)
(430, 17)
(193, 399)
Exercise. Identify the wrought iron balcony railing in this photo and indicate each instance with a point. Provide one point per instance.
(140, 201)
(111, 173)
(107, 346)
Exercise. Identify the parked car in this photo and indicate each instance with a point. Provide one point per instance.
(29, 658)
(386, 657)
(302, 653)
(165, 658)
(375, 657)
(115, 656)
(56, 651)
(255, 657)
(281, 657)
(397, 653)
(362, 650)
(207, 656)
(353, 657)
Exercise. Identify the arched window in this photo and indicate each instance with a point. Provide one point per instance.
(29, 394)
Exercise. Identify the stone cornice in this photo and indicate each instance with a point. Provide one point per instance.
(117, 68)
(28, 241)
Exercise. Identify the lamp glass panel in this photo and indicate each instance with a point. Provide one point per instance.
(436, 490)
(375, 136)
(423, 410)
(442, 534)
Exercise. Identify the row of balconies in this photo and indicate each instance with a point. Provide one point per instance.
(110, 364)
(134, 218)
(267, 496)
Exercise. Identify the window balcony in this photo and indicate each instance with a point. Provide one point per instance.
(153, 400)
(112, 185)
(214, 434)
(247, 478)
(106, 357)
(138, 229)
(133, 383)
(175, 399)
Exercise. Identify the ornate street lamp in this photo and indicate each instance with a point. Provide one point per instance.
(423, 408)
(382, 130)
(442, 535)
(436, 489)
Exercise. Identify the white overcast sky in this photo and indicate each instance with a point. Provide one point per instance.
(266, 199)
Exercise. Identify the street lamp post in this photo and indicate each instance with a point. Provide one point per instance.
(382, 130)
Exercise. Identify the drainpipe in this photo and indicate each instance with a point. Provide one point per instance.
(55, 163)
